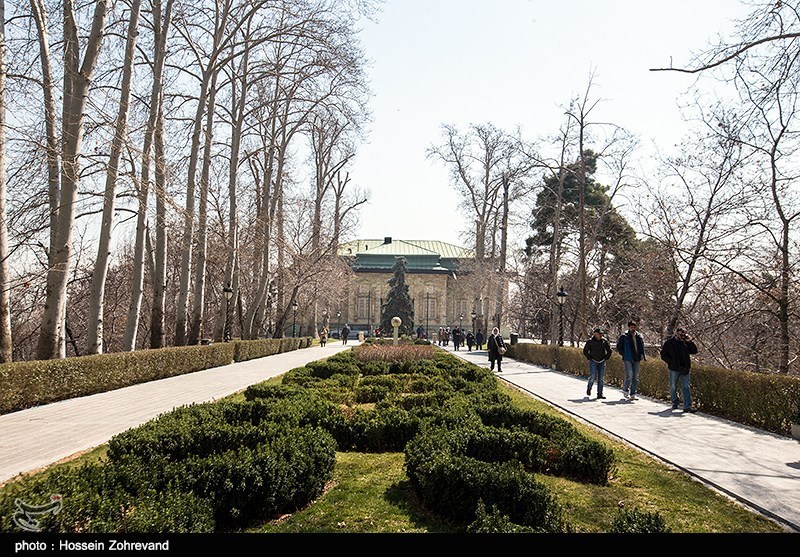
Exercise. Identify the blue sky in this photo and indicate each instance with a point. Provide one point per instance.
(512, 63)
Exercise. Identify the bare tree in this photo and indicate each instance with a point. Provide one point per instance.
(161, 24)
(95, 340)
(6, 344)
(77, 80)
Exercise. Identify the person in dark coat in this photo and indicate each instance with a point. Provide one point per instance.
(456, 338)
(494, 344)
(345, 333)
(323, 336)
(479, 340)
(676, 352)
(598, 351)
(470, 341)
(630, 345)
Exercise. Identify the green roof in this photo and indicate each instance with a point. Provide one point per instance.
(405, 247)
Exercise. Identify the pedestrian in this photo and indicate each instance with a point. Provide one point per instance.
(598, 351)
(479, 340)
(470, 341)
(441, 336)
(447, 334)
(631, 346)
(345, 333)
(420, 331)
(456, 338)
(496, 347)
(676, 352)
(323, 336)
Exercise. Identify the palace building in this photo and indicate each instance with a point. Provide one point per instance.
(443, 282)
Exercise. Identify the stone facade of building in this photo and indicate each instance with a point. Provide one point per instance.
(445, 292)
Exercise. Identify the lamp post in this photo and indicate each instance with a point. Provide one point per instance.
(325, 317)
(294, 318)
(460, 321)
(562, 296)
(338, 318)
(369, 313)
(226, 332)
(473, 315)
(427, 313)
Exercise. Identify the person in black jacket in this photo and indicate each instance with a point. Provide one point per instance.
(676, 352)
(631, 346)
(493, 345)
(598, 351)
(479, 340)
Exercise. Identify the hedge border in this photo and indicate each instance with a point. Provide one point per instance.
(34, 383)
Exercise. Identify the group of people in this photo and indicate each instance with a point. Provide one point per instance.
(676, 352)
(459, 338)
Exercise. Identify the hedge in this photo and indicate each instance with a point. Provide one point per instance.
(453, 484)
(766, 401)
(32, 383)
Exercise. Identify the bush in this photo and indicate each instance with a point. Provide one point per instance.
(638, 522)
(494, 522)
(95, 500)
(452, 485)
(281, 475)
(383, 430)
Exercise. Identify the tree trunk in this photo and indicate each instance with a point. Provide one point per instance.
(51, 131)
(98, 287)
(77, 79)
(6, 344)
(501, 288)
(157, 316)
(159, 55)
(188, 215)
(196, 327)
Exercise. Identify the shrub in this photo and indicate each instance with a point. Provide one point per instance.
(494, 522)
(383, 429)
(638, 522)
(389, 353)
(94, 499)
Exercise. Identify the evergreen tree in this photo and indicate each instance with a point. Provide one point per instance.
(398, 302)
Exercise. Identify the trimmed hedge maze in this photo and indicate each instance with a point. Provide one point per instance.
(470, 454)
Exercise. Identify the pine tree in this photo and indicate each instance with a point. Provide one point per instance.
(398, 302)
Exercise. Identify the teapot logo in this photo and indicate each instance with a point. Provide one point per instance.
(25, 515)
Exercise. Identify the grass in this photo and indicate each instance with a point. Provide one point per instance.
(370, 493)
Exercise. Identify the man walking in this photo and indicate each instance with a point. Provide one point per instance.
(631, 346)
(597, 350)
(345, 333)
(479, 340)
(676, 352)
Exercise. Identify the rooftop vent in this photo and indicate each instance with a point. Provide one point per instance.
(387, 240)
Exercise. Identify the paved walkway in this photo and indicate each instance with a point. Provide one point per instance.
(757, 468)
(36, 437)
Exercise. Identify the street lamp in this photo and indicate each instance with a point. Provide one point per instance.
(562, 296)
(226, 332)
(294, 319)
(473, 315)
(460, 321)
(338, 317)
(427, 313)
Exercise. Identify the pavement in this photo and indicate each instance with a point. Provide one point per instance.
(36, 437)
(759, 469)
